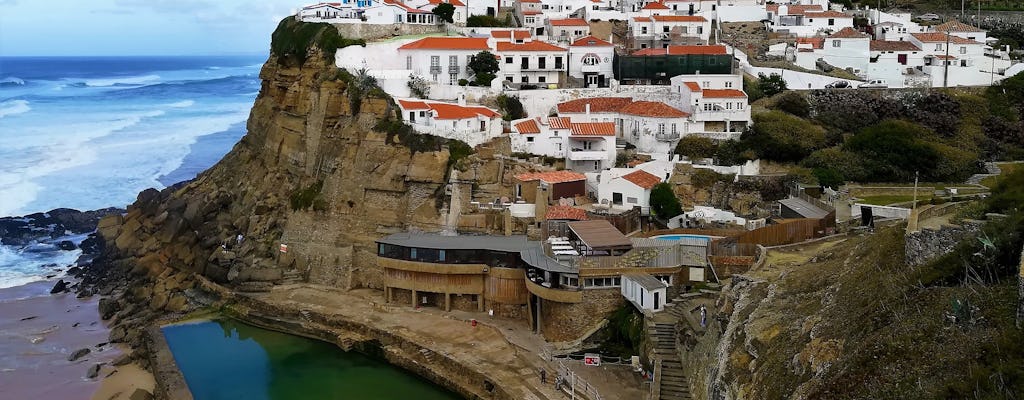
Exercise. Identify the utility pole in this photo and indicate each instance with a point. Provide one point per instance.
(915, 189)
(962, 9)
(945, 63)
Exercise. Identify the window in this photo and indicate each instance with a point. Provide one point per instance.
(661, 129)
(728, 106)
(529, 139)
(674, 131)
(529, 20)
(509, 78)
(524, 63)
(836, 43)
(453, 61)
(591, 59)
(706, 84)
(631, 200)
(728, 85)
(938, 46)
(831, 21)
(508, 60)
(963, 49)
(408, 62)
(700, 29)
(558, 62)
(542, 79)
(740, 105)
(617, 198)
(435, 61)
(525, 79)
(664, 29)
(643, 45)
(643, 30)
(707, 106)
(541, 62)
(453, 79)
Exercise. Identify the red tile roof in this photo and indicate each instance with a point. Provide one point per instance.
(413, 105)
(683, 50)
(597, 104)
(507, 34)
(535, 45)
(527, 127)
(455, 111)
(678, 18)
(590, 41)
(569, 22)
(456, 3)
(642, 19)
(654, 109)
(826, 14)
(593, 129)
(559, 122)
(893, 45)
(815, 42)
(723, 93)
(654, 6)
(694, 87)
(532, 12)
(944, 57)
(552, 176)
(566, 212)
(642, 179)
(794, 9)
(447, 43)
(935, 37)
(956, 26)
(848, 33)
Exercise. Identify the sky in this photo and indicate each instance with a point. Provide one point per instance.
(139, 27)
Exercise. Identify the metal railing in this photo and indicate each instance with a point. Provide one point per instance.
(453, 69)
(667, 137)
(576, 384)
(435, 69)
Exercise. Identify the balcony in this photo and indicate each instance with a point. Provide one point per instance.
(590, 68)
(453, 69)
(667, 137)
(435, 69)
(588, 155)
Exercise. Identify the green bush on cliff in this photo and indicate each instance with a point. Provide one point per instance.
(398, 132)
(292, 40)
(303, 199)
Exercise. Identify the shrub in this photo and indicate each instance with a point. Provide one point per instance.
(703, 178)
(783, 137)
(696, 147)
(419, 86)
(303, 199)
(771, 85)
(485, 21)
(794, 103)
(444, 12)
(753, 89)
(484, 66)
(511, 108)
(292, 40)
(664, 203)
(463, 82)
(893, 150)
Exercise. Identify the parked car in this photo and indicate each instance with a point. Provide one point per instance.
(874, 84)
(839, 85)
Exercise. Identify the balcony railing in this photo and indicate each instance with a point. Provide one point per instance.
(588, 155)
(435, 69)
(453, 69)
(667, 137)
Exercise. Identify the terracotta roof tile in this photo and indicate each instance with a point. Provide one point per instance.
(455, 111)
(590, 41)
(694, 87)
(447, 43)
(566, 212)
(531, 12)
(552, 176)
(507, 34)
(568, 22)
(527, 127)
(654, 6)
(654, 109)
(849, 33)
(535, 45)
(893, 45)
(936, 37)
(456, 3)
(597, 104)
(559, 122)
(826, 14)
(678, 18)
(815, 42)
(593, 129)
(956, 26)
(642, 19)
(723, 93)
(413, 105)
(642, 179)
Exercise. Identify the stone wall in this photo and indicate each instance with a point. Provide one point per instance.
(383, 31)
(927, 244)
(563, 322)
(860, 191)
(1020, 294)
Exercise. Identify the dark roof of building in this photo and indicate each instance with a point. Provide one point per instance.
(805, 209)
(438, 241)
(599, 234)
(646, 281)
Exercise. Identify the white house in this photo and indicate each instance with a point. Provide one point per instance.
(443, 60)
(458, 18)
(644, 291)
(625, 188)
(590, 59)
(659, 31)
(531, 16)
(471, 124)
(806, 20)
(508, 36)
(532, 62)
(952, 60)
(900, 63)
(717, 105)
(960, 29)
(586, 146)
(340, 12)
(847, 48)
(653, 127)
(567, 30)
(541, 136)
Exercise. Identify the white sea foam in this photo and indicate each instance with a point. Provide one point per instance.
(18, 267)
(133, 80)
(13, 80)
(182, 104)
(14, 107)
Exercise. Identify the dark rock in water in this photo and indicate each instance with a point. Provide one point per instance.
(50, 276)
(29, 318)
(108, 307)
(117, 334)
(122, 360)
(74, 270)
(94, 371)
(141, 394)
(79, 354)
(85, 293)
(102, 344)
(60, 287)
(76, 324)
(66, 245)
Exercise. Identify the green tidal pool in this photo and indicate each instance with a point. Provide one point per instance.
(226, 359)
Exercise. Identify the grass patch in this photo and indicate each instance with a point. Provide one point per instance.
(292, 40)
(887, 200)
(303, 199)
(1006, 168)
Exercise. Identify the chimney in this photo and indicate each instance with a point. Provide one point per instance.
(587, 108)
(610, 37)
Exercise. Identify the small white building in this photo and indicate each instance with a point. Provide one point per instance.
(586, 146)
(644, 291)
(471, 124)
(659, 31)
(717, 105)
(339, 12)
(566, 30)
(532, 62)
(805, 20)
(590, 59)
(458, 18)
(848, 49)
(625, 188)
(443, 60)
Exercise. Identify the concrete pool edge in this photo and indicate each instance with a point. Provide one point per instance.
(170, 383)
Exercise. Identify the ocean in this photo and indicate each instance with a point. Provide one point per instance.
(92, 132)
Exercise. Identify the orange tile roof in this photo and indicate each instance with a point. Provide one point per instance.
(527, 127)
(535, 45)
(826, 14)
(795, 9)
(815, 42)
(654, 6)
(944, 57)
(531, 12)
(642, 19)
(447, 43)
(593, 129)
(455, 111)
(552, 176)
(694, 87)
(413, 105)
(559, 122)
(956, 26)
(654, 109)
(590, 41)
(507, 34)
(892, 45)
(597, 104)
(723, 93)
(456, 3)
(642, 179)
(935, 37)
(678, 18)
(569, 22)
(566, 212)
(849, 33)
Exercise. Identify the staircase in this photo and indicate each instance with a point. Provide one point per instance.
(291, 276)
(672, 382)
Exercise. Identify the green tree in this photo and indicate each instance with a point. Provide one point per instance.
(484, 65)
(696, 147)
(485, 21)
(445, 12)
(753, 90)
(511, 108)
(782, 137)
(893, 150)
(664, 203)
(794, 103)
(771, 85)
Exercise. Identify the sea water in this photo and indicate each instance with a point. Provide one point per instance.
(224, 359)
(92, 132)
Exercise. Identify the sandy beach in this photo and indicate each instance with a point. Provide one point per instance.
(38, 331)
